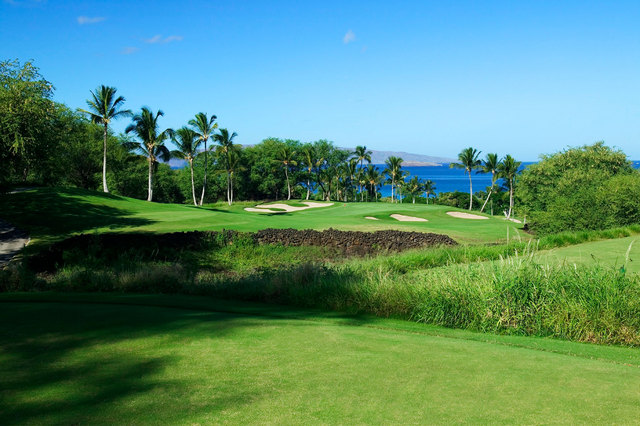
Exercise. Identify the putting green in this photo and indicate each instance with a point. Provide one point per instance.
(50, 214)
(105, 359)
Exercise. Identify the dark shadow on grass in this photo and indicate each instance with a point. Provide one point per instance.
(51, 213)
(65, 363)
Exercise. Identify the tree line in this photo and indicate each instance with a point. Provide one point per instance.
(45, 142)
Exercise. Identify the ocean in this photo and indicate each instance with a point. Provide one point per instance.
(446, 179)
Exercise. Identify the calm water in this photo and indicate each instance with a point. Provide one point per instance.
(446, 179)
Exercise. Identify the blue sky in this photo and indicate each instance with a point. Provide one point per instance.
(519, 77)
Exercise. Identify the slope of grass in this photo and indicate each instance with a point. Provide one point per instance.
(50, 214)
(618, 253)
(94, 359)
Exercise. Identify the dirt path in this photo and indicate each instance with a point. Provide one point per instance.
(12, 240)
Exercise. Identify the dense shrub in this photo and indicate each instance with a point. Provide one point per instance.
(579, 189)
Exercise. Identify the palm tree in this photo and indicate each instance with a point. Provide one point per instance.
(311, 163)
(350, 168)
(231, 158)
(414, 187)
(187, 142)
(374, 178)
(429, 188)
(400, 184)
(508, 169)
(285, 158)
(145, 126)
(361, 154)
(490, 165)
(105, 107)
(204, 128)
(394, 165)
(225, 150)
(468, 158)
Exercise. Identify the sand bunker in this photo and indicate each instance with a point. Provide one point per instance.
(284, 208)
(515, 220)
(403, 218)
(371, 218)
(461, 215)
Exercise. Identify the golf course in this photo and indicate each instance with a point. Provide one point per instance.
(319, 213)
(74, 357)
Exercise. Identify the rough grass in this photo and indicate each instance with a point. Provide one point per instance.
(100, 361)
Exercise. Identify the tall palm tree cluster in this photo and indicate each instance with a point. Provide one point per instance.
(104, 107)
(316, 168)
(507, 168)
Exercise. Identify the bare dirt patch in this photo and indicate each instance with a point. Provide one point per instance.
(461, 215)
(404, 218)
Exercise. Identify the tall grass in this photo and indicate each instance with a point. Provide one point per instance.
(506, 293)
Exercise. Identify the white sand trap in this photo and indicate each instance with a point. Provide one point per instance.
(371, 218)
(266, 208)
(515, 220)
(403, 218)
(461, 215)
(253, 209)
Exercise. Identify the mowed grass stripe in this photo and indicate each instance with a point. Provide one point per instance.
(69, 363)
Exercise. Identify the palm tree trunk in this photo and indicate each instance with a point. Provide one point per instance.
(193, 185)
(414, 199)
(510, 198)
(392, 185)
(470, 192)
(104, 161)
(487, 200)
(229, 189)
(286, 174)
(150, 188)
(308, 187)
(204, 183)
(493, 182)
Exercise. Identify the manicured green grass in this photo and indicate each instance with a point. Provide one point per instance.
(50, 214)
(115, 359)
(615, 253)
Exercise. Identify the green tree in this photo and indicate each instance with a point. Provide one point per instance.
(362, 154)
(374, 179)
(26, 116)
(393, 170)
(508, 169)
(468, 160)
(145, 127)
(429, 188)
(414, 187)
(187, 142)
(490, 165)
(104, 107)
(311, 164)
(285, 158)
(226, 152)
(205, 128)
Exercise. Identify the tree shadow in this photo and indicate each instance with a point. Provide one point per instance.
(65, 363)
(50, 213)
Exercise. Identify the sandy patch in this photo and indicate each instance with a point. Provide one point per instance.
(371, 218)
(266, 208)
(461, 215)
(253, 209)
(515, 220)
(403, 218)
